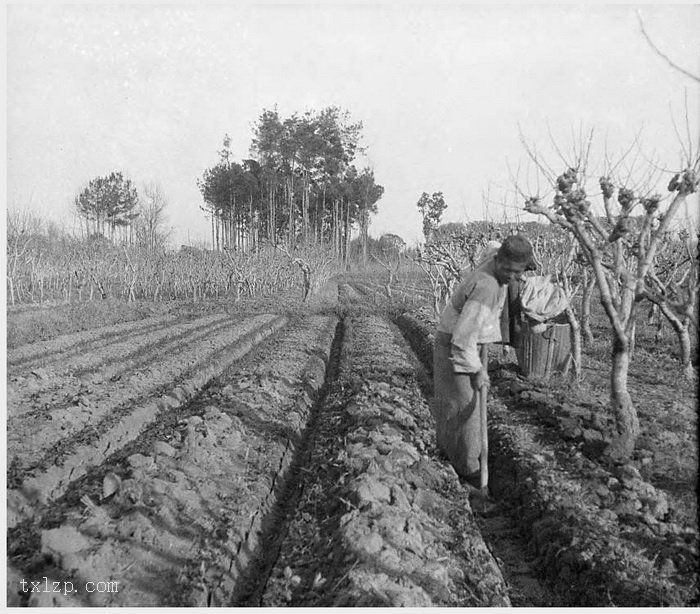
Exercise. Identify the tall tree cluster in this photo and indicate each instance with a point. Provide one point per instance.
(107, 204)
(299, 185)
(111, 207)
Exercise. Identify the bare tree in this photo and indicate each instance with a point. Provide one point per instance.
(673, 290)
(22, 227)
(445, 257)
(621, 251)
(661, 54)
(316, 264)
(149, 225)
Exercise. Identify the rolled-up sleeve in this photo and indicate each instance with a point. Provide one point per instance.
(466, 335)
(477, 323)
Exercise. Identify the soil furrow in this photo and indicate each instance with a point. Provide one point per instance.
(563, 505)
(51, 483)
(578, 546)
(64, 415)
(90, 433)
(250, 589)
(108, 370)
(378, 521)
(307, 473)
(110, 360)
(43, 352)
(637, 511)
(605, 527)
(145, 353)
(498, 526)
(205, 483)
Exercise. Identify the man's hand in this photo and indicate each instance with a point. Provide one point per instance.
(479, 379)
(464, 386)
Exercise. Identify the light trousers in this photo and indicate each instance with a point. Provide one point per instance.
(457, 418)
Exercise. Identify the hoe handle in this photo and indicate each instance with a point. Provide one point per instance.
(483, 392)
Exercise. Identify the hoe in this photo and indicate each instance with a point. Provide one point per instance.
(483, 393)
(480, 500)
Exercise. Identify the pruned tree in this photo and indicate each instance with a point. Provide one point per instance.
(673, 289)
(21, 228)
(444, 260)
(389, 258)
(316, 266)
(620, 250)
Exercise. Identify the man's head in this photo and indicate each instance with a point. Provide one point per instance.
(514, 257)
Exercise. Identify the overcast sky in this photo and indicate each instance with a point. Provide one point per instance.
(440, 89)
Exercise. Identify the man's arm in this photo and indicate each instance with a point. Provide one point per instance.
(476, 314)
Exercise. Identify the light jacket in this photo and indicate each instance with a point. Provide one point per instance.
(472, 316)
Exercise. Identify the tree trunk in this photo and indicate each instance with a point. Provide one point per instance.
(292, 229)
(575, 342)
(437, 309)
(633, 337)
(334, 228)
(271, 214)
(213, 244)
(273, 209)
(346, 234)
(587, 333)
(306, 271)
(305, 212)
(627, 423)
(320, 217)
(624, 412)
(250, 230)
(365, 224)
(683, 334)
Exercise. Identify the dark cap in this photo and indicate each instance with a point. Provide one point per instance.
(517, 249)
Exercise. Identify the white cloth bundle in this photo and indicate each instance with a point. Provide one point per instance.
(541, 299)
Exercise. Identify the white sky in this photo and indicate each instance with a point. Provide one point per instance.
(440, 88)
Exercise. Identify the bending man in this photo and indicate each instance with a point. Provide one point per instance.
(471, 318)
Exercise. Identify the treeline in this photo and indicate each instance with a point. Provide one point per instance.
(299, 186)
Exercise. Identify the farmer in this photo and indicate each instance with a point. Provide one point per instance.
(472, 317)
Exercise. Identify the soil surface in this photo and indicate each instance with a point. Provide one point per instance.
(599, 532)
(273, 453)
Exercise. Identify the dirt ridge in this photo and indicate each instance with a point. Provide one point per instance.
(199, 496)
(395, 526)
(585, 556)
(38, 490)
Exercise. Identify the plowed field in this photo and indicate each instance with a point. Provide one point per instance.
(288, 458)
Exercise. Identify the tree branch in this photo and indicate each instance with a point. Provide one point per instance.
(668, 60)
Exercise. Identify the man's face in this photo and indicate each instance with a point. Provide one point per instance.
(507, 271)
